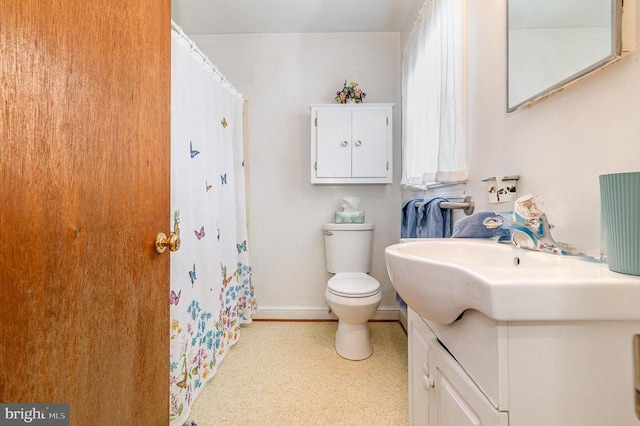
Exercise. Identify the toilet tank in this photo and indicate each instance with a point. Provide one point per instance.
(348, 246)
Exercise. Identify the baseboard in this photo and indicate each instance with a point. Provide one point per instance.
(311, 314)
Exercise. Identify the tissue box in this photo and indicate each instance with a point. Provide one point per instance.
(350, 217)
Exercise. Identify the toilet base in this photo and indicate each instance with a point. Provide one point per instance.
(353, 341)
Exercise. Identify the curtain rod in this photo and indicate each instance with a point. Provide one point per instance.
(177, 29)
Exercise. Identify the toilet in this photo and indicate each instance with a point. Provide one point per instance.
(352, 294)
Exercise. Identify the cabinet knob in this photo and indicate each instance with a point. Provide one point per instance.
(427, 383)
(344, 143)
(358, 143)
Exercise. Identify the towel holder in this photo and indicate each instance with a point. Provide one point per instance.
(467, 205)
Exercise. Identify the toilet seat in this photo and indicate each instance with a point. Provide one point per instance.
(353, 284)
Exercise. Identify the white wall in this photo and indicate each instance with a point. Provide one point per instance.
(280, 75)
(558, 146)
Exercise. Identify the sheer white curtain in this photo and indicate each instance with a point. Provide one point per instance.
(434, 138)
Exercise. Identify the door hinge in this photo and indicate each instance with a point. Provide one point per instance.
(315, 166)
(387, 121)
(316, 121)
(387, 165)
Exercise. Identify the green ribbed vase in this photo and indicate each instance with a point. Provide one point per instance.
(620, 199)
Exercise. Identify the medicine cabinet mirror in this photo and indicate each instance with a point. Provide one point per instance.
(554, 42)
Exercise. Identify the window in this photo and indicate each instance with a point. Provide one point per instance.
(434, 137)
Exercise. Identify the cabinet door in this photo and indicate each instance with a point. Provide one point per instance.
(420, 384)
(456, 400)
(333, 148)
(369, 144)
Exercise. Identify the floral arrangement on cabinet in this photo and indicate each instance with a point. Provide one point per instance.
(351, 93)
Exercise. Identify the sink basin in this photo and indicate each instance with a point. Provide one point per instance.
(441, 278)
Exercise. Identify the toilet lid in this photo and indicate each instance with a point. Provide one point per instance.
(353, 284)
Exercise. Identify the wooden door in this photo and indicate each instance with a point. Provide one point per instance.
(84, 188)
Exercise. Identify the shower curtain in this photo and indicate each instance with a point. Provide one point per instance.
(211, 289)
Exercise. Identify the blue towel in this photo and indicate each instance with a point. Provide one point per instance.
(409, 218)
(426, 221)
(473, 227)
(433, 222)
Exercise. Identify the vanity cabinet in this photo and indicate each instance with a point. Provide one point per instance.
(480, 371)
(440, 391)
(351, 143)
(455, 398)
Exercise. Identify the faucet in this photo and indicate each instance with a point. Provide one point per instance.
(531, 229)
(535, 234)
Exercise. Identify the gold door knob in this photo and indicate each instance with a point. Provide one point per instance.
(173, 241)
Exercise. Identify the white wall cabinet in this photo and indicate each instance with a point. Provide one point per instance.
(351, 143)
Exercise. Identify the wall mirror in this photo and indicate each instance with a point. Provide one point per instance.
(554, 42)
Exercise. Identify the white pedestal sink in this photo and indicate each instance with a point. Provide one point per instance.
(441, 278)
